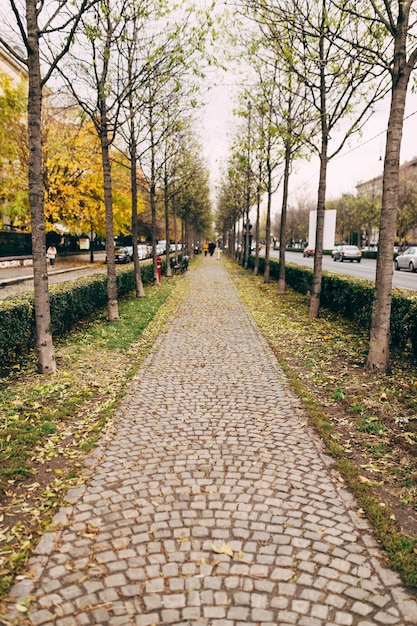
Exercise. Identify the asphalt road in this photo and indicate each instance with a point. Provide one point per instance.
(17, 280)
(365, 269)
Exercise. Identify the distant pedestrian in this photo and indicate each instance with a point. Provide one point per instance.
(206, 248)
(51, 254)
(212, 247)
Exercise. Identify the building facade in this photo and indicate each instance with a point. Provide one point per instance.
(11, 66)
(408, 172)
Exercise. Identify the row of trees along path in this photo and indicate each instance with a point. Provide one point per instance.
(336, 60)
(332, 60)
(121, 62)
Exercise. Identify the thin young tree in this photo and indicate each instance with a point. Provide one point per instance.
(242, 168)
(339, 89)
(269, 140)
(99, 88)
(46, 35)
(232, 195)
(283, 109)
(147, 51)
(133, 59)
(180, 147)
(391, 24)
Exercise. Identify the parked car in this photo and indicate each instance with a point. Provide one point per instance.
(347, 253)
(122, 254)
(407, 260)
(308, 251)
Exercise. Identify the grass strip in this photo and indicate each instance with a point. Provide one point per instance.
(49, 423)
(367, 422)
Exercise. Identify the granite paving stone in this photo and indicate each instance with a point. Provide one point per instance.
(210, 501)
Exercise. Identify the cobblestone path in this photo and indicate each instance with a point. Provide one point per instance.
(211, 502)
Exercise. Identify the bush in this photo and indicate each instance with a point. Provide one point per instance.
(16, 314)
(353, 298)
(70, 302)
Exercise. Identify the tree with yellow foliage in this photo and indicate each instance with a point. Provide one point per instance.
(73, 177)
(14, 153)
(74, 181)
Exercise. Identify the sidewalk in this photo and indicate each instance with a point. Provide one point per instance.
(14, 280)
(211, 502)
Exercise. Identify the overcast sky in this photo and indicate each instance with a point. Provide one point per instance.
(360, 161)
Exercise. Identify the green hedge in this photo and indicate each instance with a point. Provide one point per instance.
(353, 299)
(70, 302)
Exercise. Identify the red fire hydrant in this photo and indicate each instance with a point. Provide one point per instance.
(158, 267)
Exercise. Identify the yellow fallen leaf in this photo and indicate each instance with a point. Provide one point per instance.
(21, 608)
(216, 549)
(383, 396)
(225, 549)
(371, 483)
(82, 579)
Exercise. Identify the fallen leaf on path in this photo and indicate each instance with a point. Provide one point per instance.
(225, 549)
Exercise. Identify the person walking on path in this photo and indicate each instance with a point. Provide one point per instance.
(211, 500)
(51, 254)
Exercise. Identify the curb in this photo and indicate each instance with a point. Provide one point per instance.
(21, 279)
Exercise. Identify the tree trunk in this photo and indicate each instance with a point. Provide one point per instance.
(175, 231)
(318, 254)
(246, 231)
(168, 270)
(268, 239)
(258, 212)
(321, 199)
(233, 246)
(152, 198)
(283, 232)
(268, 219)
(258, 217)
(140, 292)
(112, 303)
(246, 242)
(378, 356)
(153, 216)
(46, 353)
(91, 243)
